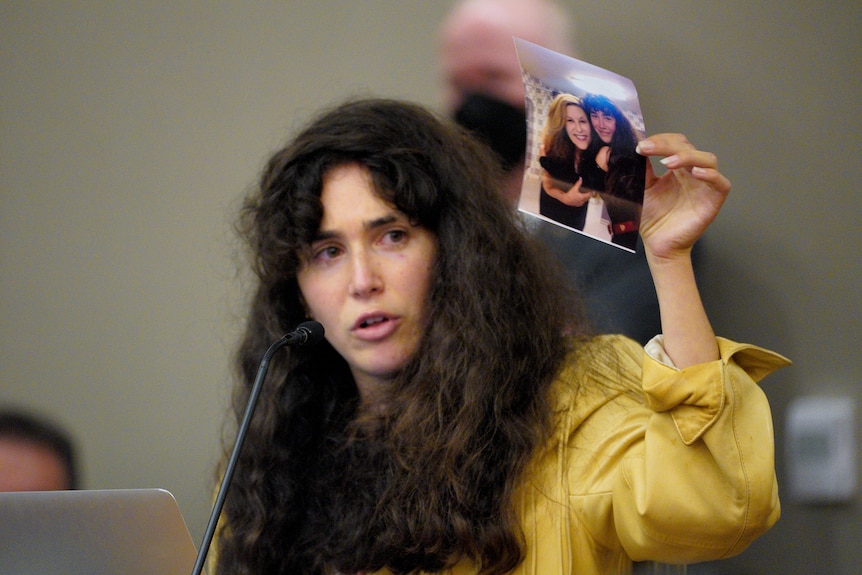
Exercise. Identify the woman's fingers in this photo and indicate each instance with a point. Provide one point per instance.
(689, 159)
(712, 177)
(664, 145)
(677, 152)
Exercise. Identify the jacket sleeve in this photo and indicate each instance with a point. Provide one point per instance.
(700, 483)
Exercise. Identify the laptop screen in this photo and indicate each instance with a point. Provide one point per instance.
(95, 532)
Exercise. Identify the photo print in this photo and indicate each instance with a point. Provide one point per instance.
(581, 168)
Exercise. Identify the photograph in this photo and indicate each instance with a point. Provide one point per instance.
(581, 168)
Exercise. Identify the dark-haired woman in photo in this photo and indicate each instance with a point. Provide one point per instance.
(624, 187)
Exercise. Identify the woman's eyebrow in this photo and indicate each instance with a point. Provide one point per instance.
(322, 235)
(380, 222)
(368, 225)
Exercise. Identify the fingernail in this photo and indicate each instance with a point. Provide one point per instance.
(644, 147)
(669, 160)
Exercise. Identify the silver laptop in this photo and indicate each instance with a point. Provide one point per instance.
(97, 532)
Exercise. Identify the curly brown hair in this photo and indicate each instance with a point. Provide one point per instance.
(430, 482)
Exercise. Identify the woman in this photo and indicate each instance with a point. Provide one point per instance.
(570, 174)
(625, 168)
(457, 418)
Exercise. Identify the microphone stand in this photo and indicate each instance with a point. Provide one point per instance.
(306, 333)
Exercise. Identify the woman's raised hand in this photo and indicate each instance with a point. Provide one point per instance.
(682, 203)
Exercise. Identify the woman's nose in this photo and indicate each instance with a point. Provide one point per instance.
(365, 279)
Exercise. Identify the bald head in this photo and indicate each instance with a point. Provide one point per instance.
(476, 49)
(30, 466)
(35, 454)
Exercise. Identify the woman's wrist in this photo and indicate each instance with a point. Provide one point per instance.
(689, 338)
(668, 258)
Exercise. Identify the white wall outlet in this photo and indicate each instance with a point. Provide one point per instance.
(821, 449)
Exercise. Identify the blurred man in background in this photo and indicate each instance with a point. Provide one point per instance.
(484, 92)
(481, 75)
(35, 455)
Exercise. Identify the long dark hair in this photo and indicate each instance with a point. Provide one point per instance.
(626, 168)
(624, 139)
(431, 482)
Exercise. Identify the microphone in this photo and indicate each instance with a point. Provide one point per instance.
(307, 333)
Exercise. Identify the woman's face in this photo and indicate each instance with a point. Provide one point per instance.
(604, 125)
(577, 126)
(366, 277)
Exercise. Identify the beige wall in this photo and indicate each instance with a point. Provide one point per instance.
(127, 131)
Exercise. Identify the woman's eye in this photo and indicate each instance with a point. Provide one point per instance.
(326, 253)
(396, 236)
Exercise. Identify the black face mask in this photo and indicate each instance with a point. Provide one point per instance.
(500, 125)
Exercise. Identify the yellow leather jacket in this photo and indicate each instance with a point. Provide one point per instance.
(650, 463)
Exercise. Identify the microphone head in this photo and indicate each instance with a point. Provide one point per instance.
(313, 332)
